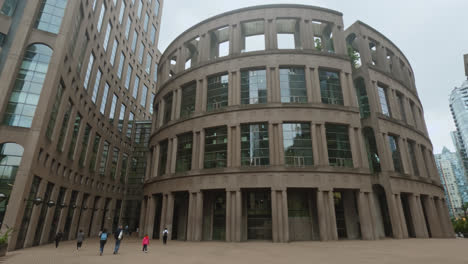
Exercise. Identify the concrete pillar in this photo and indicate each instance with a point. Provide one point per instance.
(345, 90)
(150, 214)
(109, 216)
(198, 224)
(86, 217)
(315, 144)
(309, 72)
(36, 211)
(238, 216)
(351, 215)
(191, 216)
(401, 214)
(63, 211)
(204, 91)
(405, 159)
(170, 213)
(163, 213)
(322, 217)
(274, 215)
(418, 222)
(273, 93)
(324, 147)
(339, 40)
(365, 217)
(432, 217)
(316, 94)
(444, 218)
(271, 41)
(178, 102)
(394, 216)
(332, 216)
(195, 150)
(76, 215)
(205, 45)
(173, 156)
(49, 215)
(355, 150)
(143, 211)
(201, 153)
(229, 223)
(376, 220)
(235, 44)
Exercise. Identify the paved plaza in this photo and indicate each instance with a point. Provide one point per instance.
(414, 251)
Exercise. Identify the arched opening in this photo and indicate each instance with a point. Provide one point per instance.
(28, 86)
(353, 51)
(362, 98)
(10, 159)
(372, 152)
(383, 223)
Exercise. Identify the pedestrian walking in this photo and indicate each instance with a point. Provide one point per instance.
(79, 239)
(102, 241)
(165, 234)
(58, 238)
(118, 235)
(145, 243)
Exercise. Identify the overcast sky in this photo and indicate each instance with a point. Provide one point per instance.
(432, 34)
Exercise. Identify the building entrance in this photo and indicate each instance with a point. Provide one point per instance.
(257, 210)
(179, 222)
(302, 215)
(214, 215)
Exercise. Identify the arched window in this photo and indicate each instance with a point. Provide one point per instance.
(51, 14)
(28, 86)
(10, 159)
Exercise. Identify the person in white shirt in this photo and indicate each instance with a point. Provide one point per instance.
(165, 233)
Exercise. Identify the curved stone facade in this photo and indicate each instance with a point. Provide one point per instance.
(265, 129)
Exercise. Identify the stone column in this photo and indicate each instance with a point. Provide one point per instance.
(235, 45)
(36, 211)
(324, 147)
(339, 40)
(195, 149)
(365, 218)
(155, 157)
(163, 213)
(355, 150)
(205, 43)
(394, 216)
(198, 224)
(238, 217)
(444, 218)
(76, 215)
(405, 159)
(204, 84)
(170, 214)
(418, 222)
(64, 211)
(432, 217)
(271, 42)
(150, 214)
(173, 156)
(351, 215)
(191, 216)
(274, 215)
(322, 217)
(142, 224)
(315, 144)
(401, 214)
(178, 103)
(309, 72)
(316, 94)
(229, 210)
(345, 89)
(332, 217)
(50, 214)
(201, 153)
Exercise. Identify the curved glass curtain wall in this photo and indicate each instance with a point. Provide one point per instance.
(10, 159)
(28, 86)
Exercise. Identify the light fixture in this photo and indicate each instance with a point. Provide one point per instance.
(2, 197)
(50, 203)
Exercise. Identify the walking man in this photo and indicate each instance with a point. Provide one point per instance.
(103, 240)
(79, 239)
(165, 234)
(58, 237)
(118, 235)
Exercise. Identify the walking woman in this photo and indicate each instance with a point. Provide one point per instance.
(103, 240)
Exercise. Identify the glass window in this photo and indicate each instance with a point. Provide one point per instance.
(28, 86)
(115, 159)
(187, 106)
(155, 77)
(113, 107)
(136, 85)
(134, 40)
(253, 87)
(156, 7)
(131, 117)
(50, 15)
(184, 152)
(167, 108)
(101, 17)
(363, 100)
(153, 34)
(114, 51)
(84, 145)
(76, 130)
(151, 103)
(162, 157)
(127, 28)
(297, 144)
(8, 7)
(122, 11)
(292, 85)
(402, 106)
(145, 23)
(89, 69)
(104, 98)
(144, 95)
(107, 36)
(123, 168)
(129, 76)
(412, 154)
(10, 160)
(103, 162)
(330, 87)
(96, 143)
(96, 85)
(215, 147)
(339, 148)
(217, 94)
(384, 101)
(255, 145)
(395, 149)
(123, 108)
(2, 39)
(140, 8)
(149, 61)
(63, 129)
(55, 110)
(141, 52)
(121, 64)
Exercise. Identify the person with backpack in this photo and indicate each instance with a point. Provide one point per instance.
(102, 241)
(118, 235)
(58, 237)
(79, 239)
(165, 234)
(145, 243)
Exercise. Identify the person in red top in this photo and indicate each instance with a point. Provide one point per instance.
(145, 243)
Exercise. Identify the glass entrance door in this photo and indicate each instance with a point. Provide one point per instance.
(259, 225)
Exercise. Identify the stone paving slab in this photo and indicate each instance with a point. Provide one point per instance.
(414, 251)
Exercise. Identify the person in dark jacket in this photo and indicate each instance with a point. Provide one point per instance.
(165, 234)
(79, 239)
(58, 238)
(118, 235)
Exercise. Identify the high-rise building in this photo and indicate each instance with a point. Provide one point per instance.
(77, 78)
(453, 179)
(459, 109)
(276, 123)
